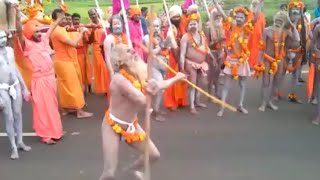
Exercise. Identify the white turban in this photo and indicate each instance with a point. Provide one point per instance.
(175, 10)
(192, 9)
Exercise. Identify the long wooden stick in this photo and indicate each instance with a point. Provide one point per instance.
(125, 18)
(147, 175)
(214, 99)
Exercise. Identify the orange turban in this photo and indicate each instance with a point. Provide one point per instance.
(30, 28)
(134, 10)
(193, 16)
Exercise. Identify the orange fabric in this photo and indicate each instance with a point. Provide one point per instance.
(30, 28)
(22, 62)
(176, 94)
(310, 79)
(183, 22)
(84, 62)
(74, 52)
(100, 71)
(255, 38)
(67, 71)
(134, 10)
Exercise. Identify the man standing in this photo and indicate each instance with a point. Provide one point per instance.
(128, 90)
(100, 72)
(194, 51)
(135, 29)
(67, 68)
(83, 54)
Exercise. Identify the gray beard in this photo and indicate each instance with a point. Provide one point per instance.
(116, 30)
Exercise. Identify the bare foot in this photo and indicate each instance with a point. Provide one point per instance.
(14, 154)
(50, 142)
(201, 105)
(194, 111)
(158, 117)
(262, 108)
(24, 147)
(139, 175)
(220, 113)
(82, 114)
(272, 106)
(316, 121)
(173, 109)
(243, 110)
(162, 112)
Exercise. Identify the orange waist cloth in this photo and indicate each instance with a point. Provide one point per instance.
(128, 136)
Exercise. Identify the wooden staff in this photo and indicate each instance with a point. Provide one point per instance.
(125, 18)
(214, 99)
(147, 175)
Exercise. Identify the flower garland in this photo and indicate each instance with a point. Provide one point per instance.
(165, 53)
(129, 137)
(120, 38)
(242, 54)
(136, 83)
(296, 63)
(278, 52)
(195, 45)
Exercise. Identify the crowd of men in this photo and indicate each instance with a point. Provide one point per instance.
(56, 59)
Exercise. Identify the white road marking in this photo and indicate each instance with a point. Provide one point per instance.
(24, 134)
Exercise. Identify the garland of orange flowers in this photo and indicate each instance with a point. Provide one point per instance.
(165, 53)
(129, 137)
(241, 54)
(278, 52)
(194, 44)
(136, 83)
(120, 38)
(294, 66)
(259, 69)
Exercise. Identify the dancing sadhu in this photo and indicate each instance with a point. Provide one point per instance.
(128, 90)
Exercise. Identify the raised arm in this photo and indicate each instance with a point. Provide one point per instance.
(53, 26)
(19, 29)
(220, 10)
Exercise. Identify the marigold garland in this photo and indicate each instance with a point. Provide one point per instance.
(122, 38)
(136, 83)
(294, 66)
(194, 44)
(128, 136)
(242, 54)
(278, 52)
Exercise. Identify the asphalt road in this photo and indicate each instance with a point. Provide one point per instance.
(280, 145)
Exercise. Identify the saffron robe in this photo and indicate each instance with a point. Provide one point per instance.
(67, 71)
(255, 38)
(45, 113)
(100, 71)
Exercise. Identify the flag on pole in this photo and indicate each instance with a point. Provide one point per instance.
(116, 5)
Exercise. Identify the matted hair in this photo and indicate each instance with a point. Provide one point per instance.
(117, 56)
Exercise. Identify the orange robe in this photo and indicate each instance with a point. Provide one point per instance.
(67, 70)
(84, 61)
(255, 38)
(176, 94)
(100, 71)
(74, 52)
(310, 80)
(22, 62)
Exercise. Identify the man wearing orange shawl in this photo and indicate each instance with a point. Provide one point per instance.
(83, 55)
(175, 95)
(257, 33)
(67, 68)
(100, 71)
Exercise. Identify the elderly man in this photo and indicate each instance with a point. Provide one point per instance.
(128, 89)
